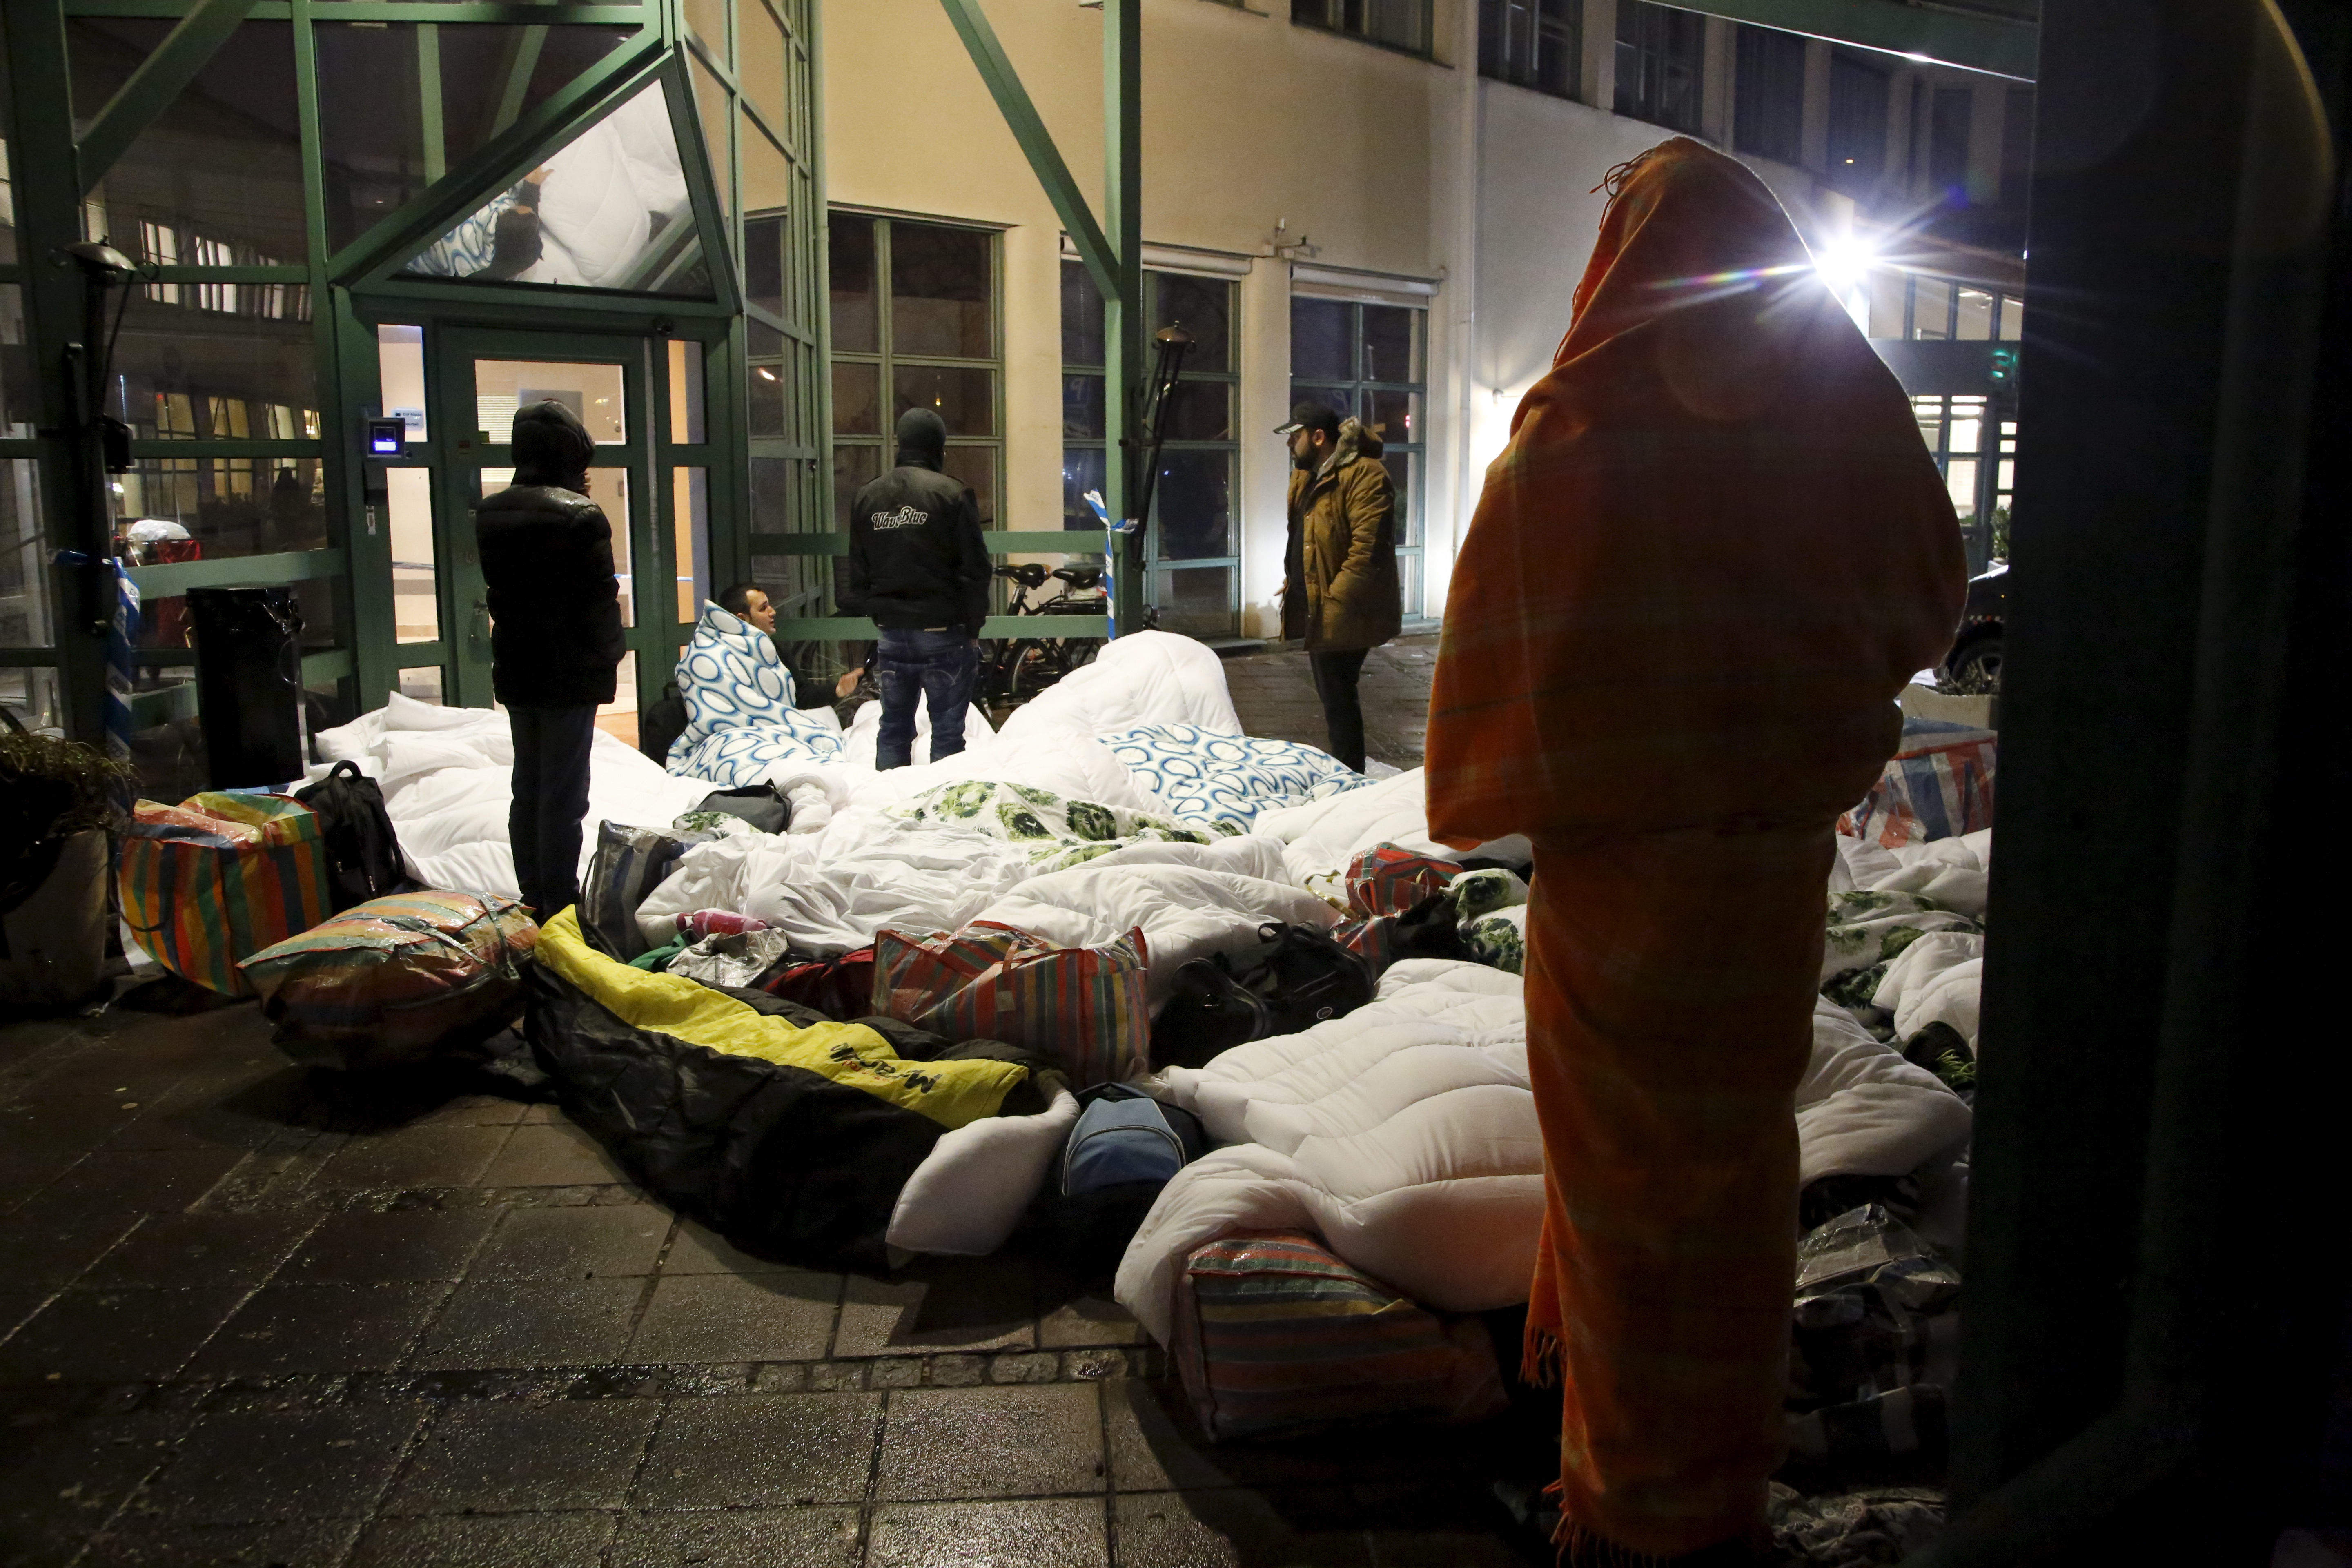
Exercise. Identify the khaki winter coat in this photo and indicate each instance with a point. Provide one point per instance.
(1344, 592)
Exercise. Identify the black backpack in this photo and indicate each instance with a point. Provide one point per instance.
(364, 858)
(1295, 978)
(663, 722)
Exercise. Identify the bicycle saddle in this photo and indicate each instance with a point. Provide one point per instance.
(1079, 576)
(1028, 573)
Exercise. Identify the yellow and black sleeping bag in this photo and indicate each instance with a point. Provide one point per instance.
(792, 1138)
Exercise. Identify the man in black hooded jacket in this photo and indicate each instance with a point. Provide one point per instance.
(555, 640)
(918, 566)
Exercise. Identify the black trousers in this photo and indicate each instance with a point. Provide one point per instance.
(550, 796)
(1343, 715)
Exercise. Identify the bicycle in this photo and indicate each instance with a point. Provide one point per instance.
(1017, 669)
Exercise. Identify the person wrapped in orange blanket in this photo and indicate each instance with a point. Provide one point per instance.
(1712, 554)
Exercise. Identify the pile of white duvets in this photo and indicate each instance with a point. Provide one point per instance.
(1403, 1134)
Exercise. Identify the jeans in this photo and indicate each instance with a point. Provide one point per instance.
(550, 796)
(935, 667)
(1343, 714)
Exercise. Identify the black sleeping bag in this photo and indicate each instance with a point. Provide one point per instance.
(785, 1160)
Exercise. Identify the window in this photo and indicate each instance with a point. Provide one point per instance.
(1193, 544)
(1399, 23)
(1660, 55)
(1939, 308)
(914, 326)
(1857, 145)
(1947, 142)
(1768, 115)
(1533, 43)
(1979, 468)
(1365, 361)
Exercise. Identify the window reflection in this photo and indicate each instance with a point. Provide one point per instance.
(608, 210)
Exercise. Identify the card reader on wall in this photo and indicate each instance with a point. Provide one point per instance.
(387, 438)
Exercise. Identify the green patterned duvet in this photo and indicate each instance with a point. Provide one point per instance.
(1057, 833)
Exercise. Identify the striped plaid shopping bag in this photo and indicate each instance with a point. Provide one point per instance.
(212, 881)
(1085, 1004)
(1388, 880)
(1938, 790)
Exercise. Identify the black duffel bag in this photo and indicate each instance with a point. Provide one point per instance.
(363, 858)
(1294, 979)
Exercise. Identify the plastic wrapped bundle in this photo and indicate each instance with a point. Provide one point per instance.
(397, 979)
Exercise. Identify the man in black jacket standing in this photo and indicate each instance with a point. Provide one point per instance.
(918, 566)
(555, 640)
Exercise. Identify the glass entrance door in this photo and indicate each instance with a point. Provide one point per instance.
(486, 377)
(457, 388)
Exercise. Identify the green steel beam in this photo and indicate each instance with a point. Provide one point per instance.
(159, 78)
(428, 101)
(1974, 42)
(1036, 142)
(511, 11)
(165, 579)
(520, 63)
(857, 628)
(1006, 542)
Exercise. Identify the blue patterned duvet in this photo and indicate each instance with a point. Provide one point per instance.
(741, 726)
(1207, 778)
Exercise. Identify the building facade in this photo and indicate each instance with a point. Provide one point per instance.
(739, 236)
(1384, 205)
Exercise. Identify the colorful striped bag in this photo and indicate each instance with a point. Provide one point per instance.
(990, 981)
(1388, 880)
(1273, 1331)
(397, 979)
(1938, 786)
(218, 878)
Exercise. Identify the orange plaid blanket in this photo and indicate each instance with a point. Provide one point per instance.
(1708, 560)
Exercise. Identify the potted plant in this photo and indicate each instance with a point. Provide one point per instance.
(58, 801)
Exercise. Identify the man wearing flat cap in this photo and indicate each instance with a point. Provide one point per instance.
(555, 640)
(1340, 593)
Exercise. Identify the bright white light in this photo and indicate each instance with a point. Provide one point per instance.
(1844, 265)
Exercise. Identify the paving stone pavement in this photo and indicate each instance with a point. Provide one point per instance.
(255, 1315)
(1273, 693)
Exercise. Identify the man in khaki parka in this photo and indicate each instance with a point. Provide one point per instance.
(1340, 593)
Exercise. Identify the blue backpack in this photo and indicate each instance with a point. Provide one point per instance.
(1125, 1136)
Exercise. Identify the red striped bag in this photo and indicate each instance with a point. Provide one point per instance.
(212, 881)
(991, 981)
(1272, 1330)
(1388, 880)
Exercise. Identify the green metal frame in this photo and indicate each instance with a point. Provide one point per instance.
(159, 80)
(352, 289)
(1112, 250)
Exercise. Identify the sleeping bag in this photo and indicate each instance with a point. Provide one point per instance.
(789, 1134)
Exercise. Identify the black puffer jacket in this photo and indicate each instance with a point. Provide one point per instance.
(546, 561)
(916, 555)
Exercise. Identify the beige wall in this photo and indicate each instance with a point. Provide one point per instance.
(1248, 123)
(1370, 161)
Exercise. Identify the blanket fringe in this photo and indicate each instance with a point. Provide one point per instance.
(1540, 1358)
(1580, 1548)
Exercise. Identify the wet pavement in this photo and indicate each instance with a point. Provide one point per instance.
(1275, 695)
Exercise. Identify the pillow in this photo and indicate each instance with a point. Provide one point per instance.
(1209, 778)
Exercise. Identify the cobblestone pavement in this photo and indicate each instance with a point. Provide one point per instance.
(1275, 695)
(252, 1315)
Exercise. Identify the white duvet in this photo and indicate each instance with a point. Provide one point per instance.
(1404, 1134)
(446, 774)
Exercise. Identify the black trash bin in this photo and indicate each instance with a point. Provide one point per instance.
(250, 684)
